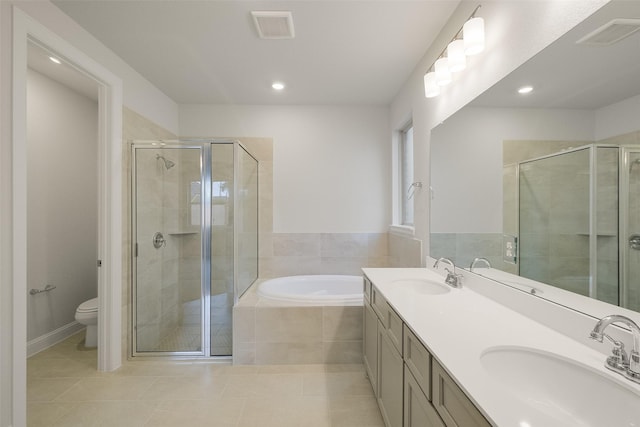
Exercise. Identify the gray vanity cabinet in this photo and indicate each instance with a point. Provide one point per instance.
(370, 346)
(411, 387)
(454, 407)
(390, 379)
(382, 350)
(418, 411)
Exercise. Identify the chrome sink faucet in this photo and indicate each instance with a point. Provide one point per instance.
(452, 279)
(628, 366)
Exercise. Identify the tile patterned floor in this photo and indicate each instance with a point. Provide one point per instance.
(64, 389)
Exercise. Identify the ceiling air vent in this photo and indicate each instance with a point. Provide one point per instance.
(273, 24)
(611, 32)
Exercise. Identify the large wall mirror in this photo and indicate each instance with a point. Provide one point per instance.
(545, 186)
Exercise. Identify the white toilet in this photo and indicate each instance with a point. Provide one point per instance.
(87, 314)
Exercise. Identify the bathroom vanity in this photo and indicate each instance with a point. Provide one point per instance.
(442, 356)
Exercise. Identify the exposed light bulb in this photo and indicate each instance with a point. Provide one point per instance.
(431, 88)
(278, 86)
(473, 36)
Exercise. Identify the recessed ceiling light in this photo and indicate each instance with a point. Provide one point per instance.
(55, 60)
(277, 86)
(525, 90)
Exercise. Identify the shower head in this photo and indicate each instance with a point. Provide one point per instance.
(167, 163)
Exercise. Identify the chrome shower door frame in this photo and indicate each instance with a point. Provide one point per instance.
(625, 230)
(205, 245)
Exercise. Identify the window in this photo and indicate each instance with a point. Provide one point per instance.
(406, 175)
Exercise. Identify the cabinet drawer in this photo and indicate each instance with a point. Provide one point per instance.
(366, 283)
(453, 406)
(418, 411)
(379, 304)
(390, 320)
(418, 360)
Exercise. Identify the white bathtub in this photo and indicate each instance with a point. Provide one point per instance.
(314, 290)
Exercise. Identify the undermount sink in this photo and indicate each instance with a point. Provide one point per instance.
(423, 286)
(561, 391)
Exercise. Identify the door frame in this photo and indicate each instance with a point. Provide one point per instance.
(109, 191)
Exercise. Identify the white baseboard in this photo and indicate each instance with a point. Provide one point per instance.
(45, 341)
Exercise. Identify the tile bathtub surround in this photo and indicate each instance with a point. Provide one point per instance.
(64, 389)
(290, 254)
(267, 333)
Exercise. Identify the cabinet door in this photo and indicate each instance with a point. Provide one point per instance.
(370, 346)
(418, 360)
(379, 304)
(390, 380)
(394, 328)
(453, 406)
(418, 411)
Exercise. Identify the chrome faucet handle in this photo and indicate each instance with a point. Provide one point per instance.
(634, 366)
(619, 360)
(453, 279)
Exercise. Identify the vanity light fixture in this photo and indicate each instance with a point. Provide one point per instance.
(469, 40)
(277, 86)
(524, 90)
(431, 88)
(456, 55)
(55, 60)
(443, 73)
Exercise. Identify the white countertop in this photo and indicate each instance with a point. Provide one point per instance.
(458, 326)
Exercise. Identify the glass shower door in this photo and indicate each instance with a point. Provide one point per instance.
(554, 217)
(222, 248)
(630, 238)
(168, 293)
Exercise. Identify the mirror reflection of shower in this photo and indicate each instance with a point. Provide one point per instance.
(168, 164)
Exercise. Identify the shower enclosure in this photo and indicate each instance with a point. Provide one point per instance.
(579, 221)
(194, 244)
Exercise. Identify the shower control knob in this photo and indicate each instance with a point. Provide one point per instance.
(634, 241)
(159, 240)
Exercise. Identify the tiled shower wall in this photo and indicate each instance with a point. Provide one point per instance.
(288, 254)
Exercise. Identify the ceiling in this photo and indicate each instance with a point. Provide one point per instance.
(571, 75)
(64, 73)
(350, 52)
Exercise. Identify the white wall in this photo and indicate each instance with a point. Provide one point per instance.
(515, 32)
(617, 119)
(330, 164)
(466, 155)
(62, 133)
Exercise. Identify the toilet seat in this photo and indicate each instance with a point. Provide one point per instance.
(88, 306)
